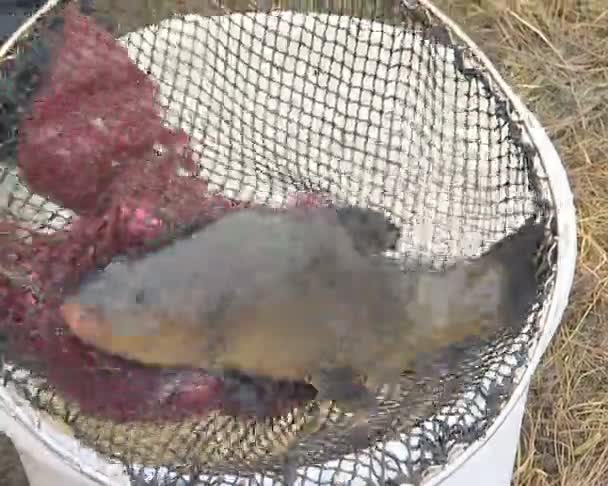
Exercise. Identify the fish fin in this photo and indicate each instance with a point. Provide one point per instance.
(360, 436)
(340, 385)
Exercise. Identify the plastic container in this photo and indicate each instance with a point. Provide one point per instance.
(52, 457)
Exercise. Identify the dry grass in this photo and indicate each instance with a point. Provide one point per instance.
(555, 53)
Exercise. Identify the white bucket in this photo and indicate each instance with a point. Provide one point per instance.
(52, 457)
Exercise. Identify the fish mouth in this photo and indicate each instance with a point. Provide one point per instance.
(86, 322)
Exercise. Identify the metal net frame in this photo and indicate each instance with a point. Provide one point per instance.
(375, 105)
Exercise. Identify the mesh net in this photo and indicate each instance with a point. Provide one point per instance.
(299, 103)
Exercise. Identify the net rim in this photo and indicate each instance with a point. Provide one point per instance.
(533, 134)
(13, 39)
(565, 214)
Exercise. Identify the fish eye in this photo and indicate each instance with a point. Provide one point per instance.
(139, 297)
